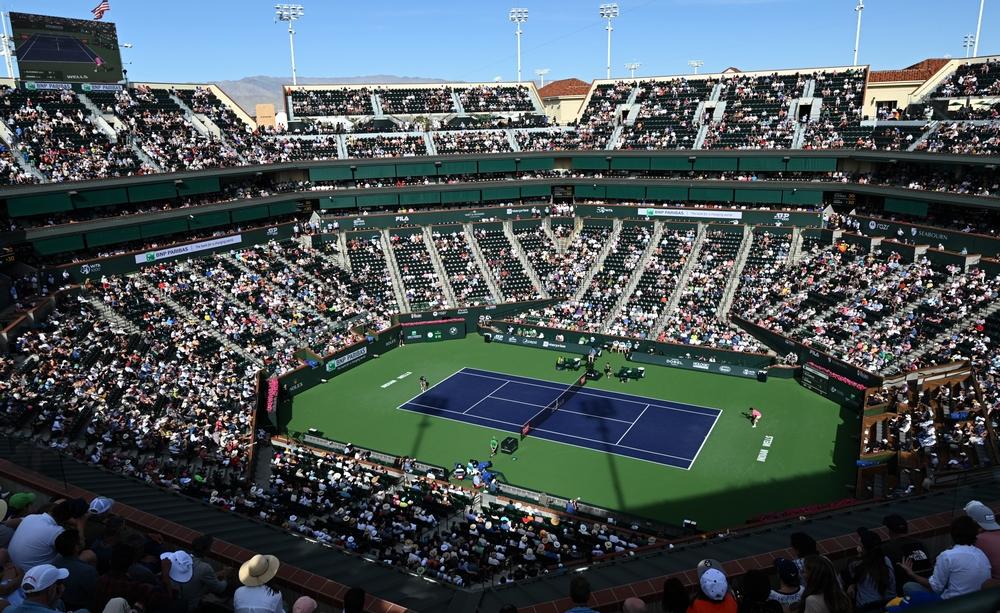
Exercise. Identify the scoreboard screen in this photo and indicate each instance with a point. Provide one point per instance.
(434, 331)
(815, 380)
(562, 191)
(67, 50)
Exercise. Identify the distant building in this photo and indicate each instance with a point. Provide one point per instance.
(563, 99)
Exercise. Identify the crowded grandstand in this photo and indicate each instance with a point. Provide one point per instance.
(209, 317)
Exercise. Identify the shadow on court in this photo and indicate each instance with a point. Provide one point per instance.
(600, 407)
(418, 437)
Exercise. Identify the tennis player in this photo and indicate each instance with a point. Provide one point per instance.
(755, 416)
(424, 385)
(494, 445)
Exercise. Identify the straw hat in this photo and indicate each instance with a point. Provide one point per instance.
(258, 570)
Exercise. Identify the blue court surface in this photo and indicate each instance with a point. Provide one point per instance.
(659, 431)
(55, 48)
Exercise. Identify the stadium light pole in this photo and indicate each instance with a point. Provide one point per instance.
(968, 41)
(860, 8)
(609, 12)
(696, 64)
(6, 42)
(979, 27)
(540, 73)
(290, 13)
(517, 17)
(631, 67)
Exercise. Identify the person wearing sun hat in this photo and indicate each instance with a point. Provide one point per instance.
(713, 590)
(988, 540)
(43, 588)
(256, 596)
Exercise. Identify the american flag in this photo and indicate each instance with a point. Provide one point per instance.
(100, 9)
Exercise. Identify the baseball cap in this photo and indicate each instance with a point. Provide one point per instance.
(714, 584)
(181, 565)
(982, 514)
(101, 505)
(896, 523)
(707, 564)
(41, 578)
(788, 572)
(21, 500)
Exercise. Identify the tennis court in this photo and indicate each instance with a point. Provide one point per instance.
(658, 431)
(55, 48)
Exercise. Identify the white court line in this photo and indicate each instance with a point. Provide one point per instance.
(485, 398)
(633, 425)
(605, 397)
(432, 387)
(532, 404)
(582, 438)
(705, 440)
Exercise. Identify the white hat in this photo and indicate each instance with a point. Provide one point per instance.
(101, 505)
(42, 577)
(181, 565)
(714, 584)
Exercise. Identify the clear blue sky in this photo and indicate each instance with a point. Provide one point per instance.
(206, 40)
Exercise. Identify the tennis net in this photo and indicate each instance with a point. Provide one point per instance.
(541, 416)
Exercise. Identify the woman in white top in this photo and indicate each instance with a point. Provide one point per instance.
(256, 596)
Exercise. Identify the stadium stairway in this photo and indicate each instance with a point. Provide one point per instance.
(442, 273)
(518, 249)
(211, 129)
(795, 252)
(397, 280)
(932, 127)
(633, 281)
(681, 283)
(616, 231)
(429, 144)
(547, 228)
(181, 310)
(733, 283)
(470, 236)
(143, 156)
(98, 119)
(937, 343)
(109, 314)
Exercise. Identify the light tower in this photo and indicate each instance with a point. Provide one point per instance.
(979, 27)
(631, 67)
(7, 51)
(968, 41)
(517, 17)
(860, 8)
(540, 73)
(290, 13)
(609, 12)
(696, 64)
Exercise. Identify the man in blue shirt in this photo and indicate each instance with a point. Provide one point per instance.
(43, 587)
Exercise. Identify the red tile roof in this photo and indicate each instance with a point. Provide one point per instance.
(565, 87)
(921, 71)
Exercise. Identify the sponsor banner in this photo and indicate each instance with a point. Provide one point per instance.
(172, 252)
(733, 370)
(100, 87)
(538, 343)
(416, 332)
(923, 235)
(693, 213)
(346, 359)
(46, 86)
